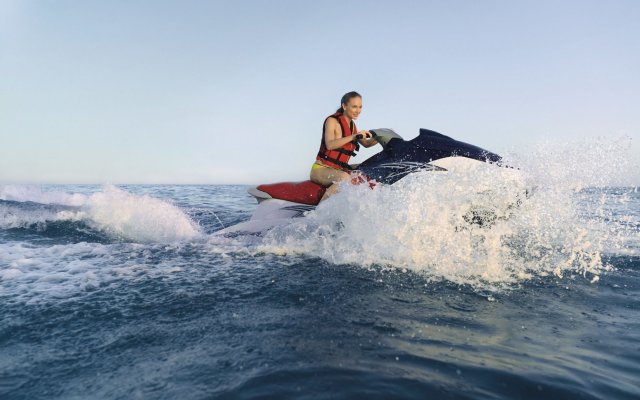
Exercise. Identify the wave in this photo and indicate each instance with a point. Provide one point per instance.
(539, 224)
(112, 212)
(50, 221)
(536, 222)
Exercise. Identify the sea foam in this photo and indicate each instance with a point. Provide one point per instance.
(119, 214)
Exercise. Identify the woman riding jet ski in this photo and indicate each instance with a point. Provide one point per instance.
(430, 151)
(339, 143)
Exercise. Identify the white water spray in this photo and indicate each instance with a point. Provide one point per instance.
(485, 226)
(139, 218)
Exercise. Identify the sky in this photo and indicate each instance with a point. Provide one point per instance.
(235, 92)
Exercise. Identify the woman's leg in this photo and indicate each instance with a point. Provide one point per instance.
(328, 177)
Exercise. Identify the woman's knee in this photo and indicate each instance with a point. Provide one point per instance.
(339, 176)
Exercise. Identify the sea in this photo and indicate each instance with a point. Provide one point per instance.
(136, 292)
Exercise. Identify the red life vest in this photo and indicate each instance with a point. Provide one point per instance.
(339, 158)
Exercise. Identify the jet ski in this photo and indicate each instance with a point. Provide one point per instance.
(279, 202)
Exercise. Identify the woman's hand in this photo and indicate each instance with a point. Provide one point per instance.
(366, 138)
(365, 134)
(362, 135)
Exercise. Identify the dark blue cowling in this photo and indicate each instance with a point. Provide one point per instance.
(400, 157)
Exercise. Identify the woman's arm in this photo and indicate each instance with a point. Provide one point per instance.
(333, 135)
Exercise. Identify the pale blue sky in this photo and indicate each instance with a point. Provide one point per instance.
(236, 91)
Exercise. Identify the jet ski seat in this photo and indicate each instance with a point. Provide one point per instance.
(305, 192)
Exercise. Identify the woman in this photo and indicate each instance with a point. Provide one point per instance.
(339, 143)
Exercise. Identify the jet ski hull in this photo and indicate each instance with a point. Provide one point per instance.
(269, 213)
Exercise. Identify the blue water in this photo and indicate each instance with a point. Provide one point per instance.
(127, 292)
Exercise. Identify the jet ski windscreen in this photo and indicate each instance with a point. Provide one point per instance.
(400, 157)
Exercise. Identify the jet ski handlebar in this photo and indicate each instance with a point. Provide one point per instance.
(360, 136)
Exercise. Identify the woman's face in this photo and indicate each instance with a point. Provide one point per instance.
(353, 108)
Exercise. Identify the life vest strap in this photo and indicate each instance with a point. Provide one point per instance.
(347, 152)
(344, 165)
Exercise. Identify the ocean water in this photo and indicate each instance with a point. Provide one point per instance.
(129, 291)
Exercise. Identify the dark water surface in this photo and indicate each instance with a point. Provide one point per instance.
(91, 307)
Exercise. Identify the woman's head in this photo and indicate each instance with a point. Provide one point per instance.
(351, 105)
